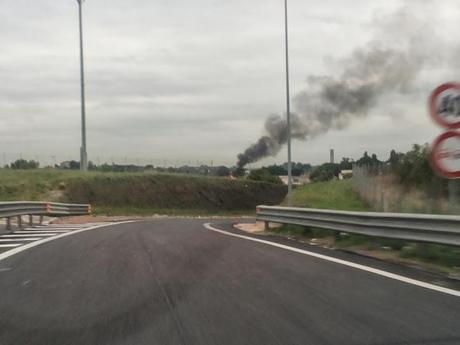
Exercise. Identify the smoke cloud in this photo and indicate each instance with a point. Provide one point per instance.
(388, 63)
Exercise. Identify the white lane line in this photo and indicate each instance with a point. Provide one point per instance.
(52, 229)
(71, 225)
(40, 232)
(20, 239)
(25, 235)
(343, 262)
(40, 241)
(10, 245)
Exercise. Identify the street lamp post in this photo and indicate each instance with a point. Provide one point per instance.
(288, 105)
(83, 153)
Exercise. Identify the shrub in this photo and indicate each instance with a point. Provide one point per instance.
(263, 175)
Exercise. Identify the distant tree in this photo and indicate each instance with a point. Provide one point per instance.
(325, 172)
(346, 164)
(414, 168)
(297, 171)
(281, 170)
(264, 175)
(301, 168)
(276, 170)
(238, 172)
(74, 165)
(395, 159)
(366, 160)
(222, 171)
(24, 164)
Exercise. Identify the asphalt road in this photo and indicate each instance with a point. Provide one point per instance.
(175, 282)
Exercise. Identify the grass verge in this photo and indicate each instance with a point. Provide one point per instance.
(140, 193)
(337, 195)
(340, 195)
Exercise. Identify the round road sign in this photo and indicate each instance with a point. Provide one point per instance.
(445, 105)
(445, 155)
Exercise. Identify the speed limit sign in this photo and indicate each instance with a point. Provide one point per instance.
(444, 105)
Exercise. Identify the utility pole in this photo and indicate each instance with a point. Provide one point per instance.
(83, 153)
(288, 105)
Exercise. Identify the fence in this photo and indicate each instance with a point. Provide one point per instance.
(383, 192)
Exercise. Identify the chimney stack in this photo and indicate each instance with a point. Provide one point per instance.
(332, 156)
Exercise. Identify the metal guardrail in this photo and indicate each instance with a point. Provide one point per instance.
(411, 227)
(18, 209)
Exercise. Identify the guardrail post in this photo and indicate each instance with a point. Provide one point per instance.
(8, 223)
(20, 222)
(31, 220)
(266, 226)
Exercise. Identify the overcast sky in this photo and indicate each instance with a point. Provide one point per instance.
(177, 81)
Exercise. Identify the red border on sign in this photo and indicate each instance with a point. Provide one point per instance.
(435, 162)
(433, 109)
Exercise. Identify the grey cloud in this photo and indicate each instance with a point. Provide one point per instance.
(389, 63)
(158, 69)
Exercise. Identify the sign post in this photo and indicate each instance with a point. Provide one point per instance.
(444, 105)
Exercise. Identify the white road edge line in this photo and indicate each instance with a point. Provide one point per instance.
(11, 245)
(343, 262)
(52, 229)
(31, 238)
(17, 250)
(25, 235)
(40, 232)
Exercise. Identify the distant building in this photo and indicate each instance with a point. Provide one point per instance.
(332, 159)
(65, 165)
(345, 174)
(296, 180)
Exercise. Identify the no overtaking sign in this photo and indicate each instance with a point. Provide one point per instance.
(444, 107)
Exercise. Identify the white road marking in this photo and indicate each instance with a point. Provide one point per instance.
(10, 245)
(25, 235)
(40, 241)
(41, 232)
(19, 239)
(69, 225)
(343, 262)
(54, 229)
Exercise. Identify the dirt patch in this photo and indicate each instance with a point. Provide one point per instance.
(257, 228)
(251, 228)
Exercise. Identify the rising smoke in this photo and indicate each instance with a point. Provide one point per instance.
(388, 63)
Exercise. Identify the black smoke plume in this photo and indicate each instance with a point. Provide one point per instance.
(389, 63)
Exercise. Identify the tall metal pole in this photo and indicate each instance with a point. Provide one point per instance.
(288, 105)
(83, 153)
